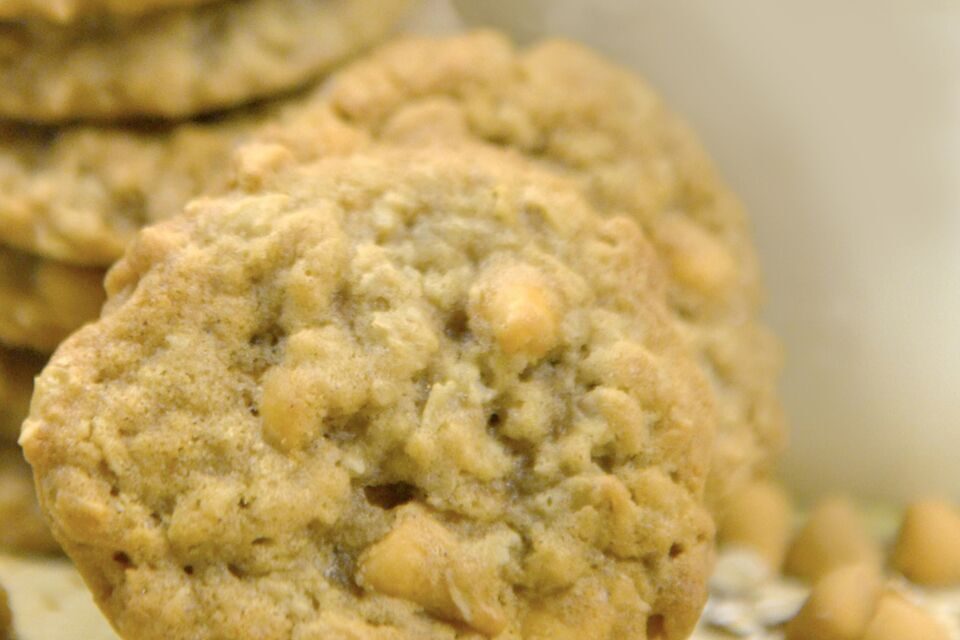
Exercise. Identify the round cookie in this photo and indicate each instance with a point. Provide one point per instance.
(181, 62)
(78, 194)
(22, 527)
(17, 371)
(66, 10)
(578, 115)
(81, 195)
(42, 302)
(406, 394)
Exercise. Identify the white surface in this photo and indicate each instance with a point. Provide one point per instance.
(50, 602)
(839, 125)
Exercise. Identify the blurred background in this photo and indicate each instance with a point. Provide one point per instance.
(838, 123)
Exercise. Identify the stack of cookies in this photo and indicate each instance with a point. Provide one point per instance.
(112, 114)
(462, 342)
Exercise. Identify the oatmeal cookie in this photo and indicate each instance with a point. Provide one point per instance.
(572, 112)
(397, 394)
(78, 194)
(17, 370)
(42, 302)
(22, 528)
(181, 62)
(62, 11)
(582, 117)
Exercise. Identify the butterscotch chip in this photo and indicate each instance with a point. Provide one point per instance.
(22, 527)
(515, 305)
(67, 10)
(898, 619)
(17, 370)
(306, 414)
(833, 536)
(422, 561)
(759, 517)
(927, 550)
(42, 302)
(840, 606)
(180, 62)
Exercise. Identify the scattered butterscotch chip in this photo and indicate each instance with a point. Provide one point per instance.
(840, 606)
(927, 550)
(833, 536)
(758, 518)
(899, 619)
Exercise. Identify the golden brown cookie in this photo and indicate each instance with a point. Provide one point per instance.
(66, 10)
(582, 117)
(574, 113)
(180, 62)
(79, 194)
(400, 394)
(42, 302)
(17, 370)
(22, 528)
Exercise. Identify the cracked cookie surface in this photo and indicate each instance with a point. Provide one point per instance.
(398, 394)
(181, 62)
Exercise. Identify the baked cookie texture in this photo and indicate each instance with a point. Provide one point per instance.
(17, 371)
(181, 62)
(589, 121)
(79, 194)
(62, 11)
(22, 526)
(399, 394)
(42, 302)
